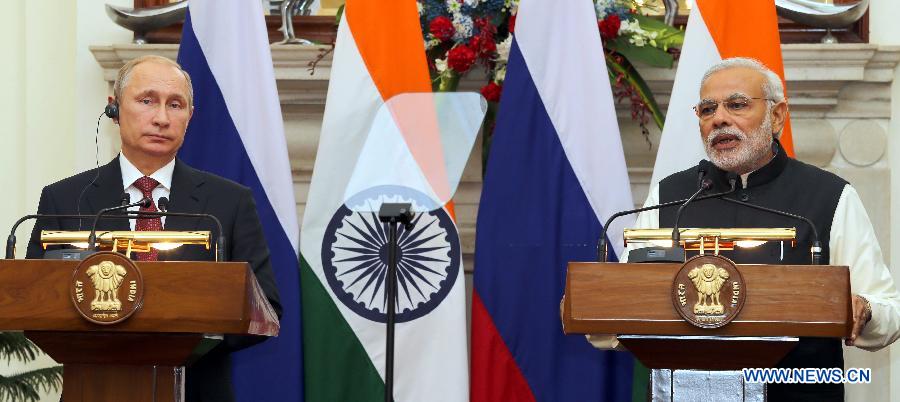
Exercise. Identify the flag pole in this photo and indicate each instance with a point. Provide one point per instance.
(392, 214)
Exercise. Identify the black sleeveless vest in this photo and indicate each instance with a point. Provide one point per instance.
(787, 185)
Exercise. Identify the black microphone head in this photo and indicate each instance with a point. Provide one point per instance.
(706, 184)
(146, 202)
(162, 204)
(125, 199)
(705, 167)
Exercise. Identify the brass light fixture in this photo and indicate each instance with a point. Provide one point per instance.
(129, 241)
(703, 239)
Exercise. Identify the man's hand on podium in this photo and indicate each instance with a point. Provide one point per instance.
(862, 313)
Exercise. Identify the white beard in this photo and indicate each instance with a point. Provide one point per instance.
(750, 155)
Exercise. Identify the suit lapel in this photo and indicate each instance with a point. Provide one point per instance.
(186, 196)
(107, 192)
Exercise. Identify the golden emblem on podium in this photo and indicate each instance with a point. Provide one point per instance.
(107, 278)
(708, 279)
(708, 291)
(107, 288)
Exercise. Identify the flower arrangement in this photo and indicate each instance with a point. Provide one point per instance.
(463, 34)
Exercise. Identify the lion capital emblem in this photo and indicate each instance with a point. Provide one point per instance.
(106, 277)
(708, 279)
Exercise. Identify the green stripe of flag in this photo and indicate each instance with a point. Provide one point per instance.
(336, 366)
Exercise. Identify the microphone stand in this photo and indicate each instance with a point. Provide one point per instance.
(145, 202)
(392, 214)
(676, 235)
(815, 249)
(602, 243)
(220, 239)
(11, 239)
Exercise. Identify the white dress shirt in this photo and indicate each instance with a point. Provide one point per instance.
(130, 174)
(852, 243)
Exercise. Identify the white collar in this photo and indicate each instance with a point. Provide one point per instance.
(131, 173)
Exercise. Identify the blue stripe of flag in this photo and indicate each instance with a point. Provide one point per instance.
(271, 371)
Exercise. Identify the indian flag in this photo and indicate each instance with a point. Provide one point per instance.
(716, 30)
(379, 54)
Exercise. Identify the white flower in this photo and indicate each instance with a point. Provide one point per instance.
(440, 65)
(503, 48)
(453, 6)
(629, 26)
(472, 3)
(600, 6)
(431, 42)
(637, 40)
(463, 25)
(511, 5)
(500, 73)
(419, 7)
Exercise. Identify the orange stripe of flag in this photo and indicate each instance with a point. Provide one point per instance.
(748, 29)
(389, 39)
(390, 42)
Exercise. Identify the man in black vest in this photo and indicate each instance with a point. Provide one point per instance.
(152, 105)
(742, 110)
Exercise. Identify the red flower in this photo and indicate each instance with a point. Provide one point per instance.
(442, 28)
(483, 46)
(485, 28)
(491, 92)
(512, 23)
(609, 27)
(461, 58)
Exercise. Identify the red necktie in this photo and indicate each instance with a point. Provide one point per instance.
(146, 186)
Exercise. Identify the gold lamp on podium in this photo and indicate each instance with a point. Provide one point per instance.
(715, 239)
(126, 242)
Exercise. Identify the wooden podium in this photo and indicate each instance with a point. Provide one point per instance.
(186, 307)
(635, 302)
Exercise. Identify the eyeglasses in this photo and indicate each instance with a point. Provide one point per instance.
(736, 105)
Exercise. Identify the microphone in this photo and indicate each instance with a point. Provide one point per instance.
(145, 202)
(815, 249)
(705, 184)
(11, 239)
(602, 246)
(163, 205)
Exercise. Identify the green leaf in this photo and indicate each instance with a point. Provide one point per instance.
(24, 386)
(339, 14)
(15, 345)
(645, 54)
(637, 82)
(666, 36)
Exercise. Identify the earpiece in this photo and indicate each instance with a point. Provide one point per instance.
(112, 110)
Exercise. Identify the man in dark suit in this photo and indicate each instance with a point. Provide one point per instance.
(154, 102)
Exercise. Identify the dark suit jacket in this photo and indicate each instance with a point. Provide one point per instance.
(193, 191)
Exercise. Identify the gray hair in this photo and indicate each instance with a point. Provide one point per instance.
(772, 87)
(125, 74)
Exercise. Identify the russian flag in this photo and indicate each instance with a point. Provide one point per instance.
(556, 171)
(237, 132)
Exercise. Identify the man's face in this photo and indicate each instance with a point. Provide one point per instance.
(153, 112)
(738, 135)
